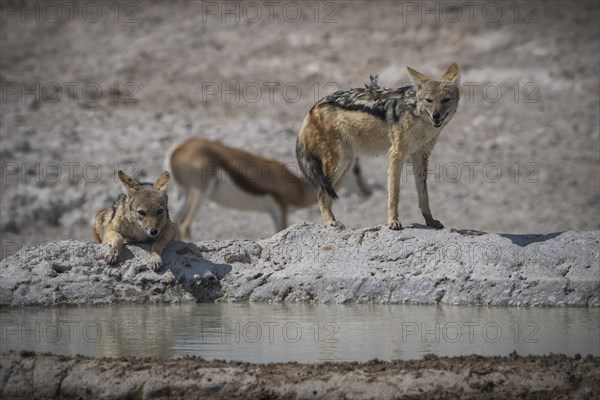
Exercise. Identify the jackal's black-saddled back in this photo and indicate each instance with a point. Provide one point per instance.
(383, 103)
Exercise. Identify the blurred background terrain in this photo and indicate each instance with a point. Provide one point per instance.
(88, 87)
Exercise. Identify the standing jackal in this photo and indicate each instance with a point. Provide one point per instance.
(405, 122)
(140, 214)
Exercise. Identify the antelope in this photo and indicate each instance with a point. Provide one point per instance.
(210, 170)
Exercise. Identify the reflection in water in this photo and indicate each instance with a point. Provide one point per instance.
(299, 332)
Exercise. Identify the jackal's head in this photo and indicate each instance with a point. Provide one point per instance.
(146, 204)
(437, 100)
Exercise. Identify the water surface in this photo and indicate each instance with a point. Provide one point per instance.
(299, 332)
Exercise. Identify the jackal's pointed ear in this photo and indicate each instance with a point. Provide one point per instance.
(452, 74)
(416, 77)
(163, 181)
(127, 182)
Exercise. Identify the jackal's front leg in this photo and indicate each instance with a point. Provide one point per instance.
(420, 160)
(115, 241)
(165, 237)
(395, 171)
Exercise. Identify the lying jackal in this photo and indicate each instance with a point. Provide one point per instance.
(203, 169)
(140, 214)
(404, 122)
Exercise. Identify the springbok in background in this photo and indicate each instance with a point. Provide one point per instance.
(233, 178)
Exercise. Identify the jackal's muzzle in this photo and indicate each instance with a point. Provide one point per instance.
(437, 119)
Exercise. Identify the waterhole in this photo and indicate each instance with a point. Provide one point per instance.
(299, 332)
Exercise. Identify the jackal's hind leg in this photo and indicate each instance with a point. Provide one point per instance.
(364, 189)
(325, 202)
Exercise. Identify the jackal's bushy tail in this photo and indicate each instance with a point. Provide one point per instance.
(312, 169)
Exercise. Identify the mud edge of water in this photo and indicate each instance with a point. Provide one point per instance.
(28, 374)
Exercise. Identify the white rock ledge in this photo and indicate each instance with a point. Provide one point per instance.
(315, 263)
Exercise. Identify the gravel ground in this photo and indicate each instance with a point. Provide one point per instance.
(523, 161)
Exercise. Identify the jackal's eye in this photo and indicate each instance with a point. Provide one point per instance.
(142, 213)
(159, 212)
(429, 100)
(445, 100)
